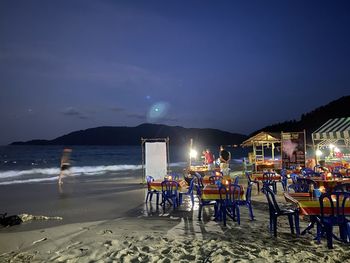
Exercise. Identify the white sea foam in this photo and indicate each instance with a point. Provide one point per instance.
(74, 170)
(33, 180)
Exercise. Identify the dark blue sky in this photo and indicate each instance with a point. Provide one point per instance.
(232, 65)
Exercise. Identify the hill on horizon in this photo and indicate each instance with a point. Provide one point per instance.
(313, 120)
(132, 136)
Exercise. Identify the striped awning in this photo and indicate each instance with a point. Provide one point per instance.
(333, 129)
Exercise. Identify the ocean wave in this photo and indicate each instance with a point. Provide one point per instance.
(33, 180)
(74, 170)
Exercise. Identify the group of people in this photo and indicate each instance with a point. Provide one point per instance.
(223, 160)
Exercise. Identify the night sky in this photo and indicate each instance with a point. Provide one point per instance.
(232, 65)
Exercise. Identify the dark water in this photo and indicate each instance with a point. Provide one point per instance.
(30, 164)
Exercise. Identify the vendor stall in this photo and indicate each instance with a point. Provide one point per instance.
(260, 142)
(332, 140)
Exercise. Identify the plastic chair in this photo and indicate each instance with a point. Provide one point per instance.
(345, 187)
(303, 185)
(175, 176)
(294, 178)
(203, 203)
(236, 180)
(214, 178)
(189, 193)
(269, 180)
(252, 181)
(150, 192)
(276, 211)
(198, 180)
(229, 202)
(284, 179)
(247, 202)
(333, 214)
(170, 193)
(308, 172)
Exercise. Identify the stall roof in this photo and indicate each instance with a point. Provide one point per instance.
(262, 138)
(333, 129)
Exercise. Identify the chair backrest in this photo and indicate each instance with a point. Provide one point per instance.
(342, 187)
(198, 180)
(236, 180)
(271, 199)
(216, 173)
(192, 183)
(337, 169)
(170, 187)
(248, 177)
(233, 193)
(248, 193)
(337, 174)
(149, 180)
(309, 172)
(333, 206)
(303, 185)
(214, 178)
(294, 178)
(175, 176)
(268, 177)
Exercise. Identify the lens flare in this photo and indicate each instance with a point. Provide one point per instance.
(157, 111)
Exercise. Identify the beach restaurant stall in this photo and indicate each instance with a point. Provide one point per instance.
(260, 143)
(331, 142)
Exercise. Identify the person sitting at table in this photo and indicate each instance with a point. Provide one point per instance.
(209, 159)
(225, 157)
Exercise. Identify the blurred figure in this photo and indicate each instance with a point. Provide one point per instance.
(225, 157)
(65, 164)
(209, 159)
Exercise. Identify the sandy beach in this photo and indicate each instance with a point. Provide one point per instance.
(108, 221)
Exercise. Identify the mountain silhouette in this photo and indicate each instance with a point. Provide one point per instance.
(132, 136)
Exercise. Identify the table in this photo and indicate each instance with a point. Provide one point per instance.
(260, 177)
(308, 205)
(210, 192)
(329, 183)
(225, 179)
(157, 185)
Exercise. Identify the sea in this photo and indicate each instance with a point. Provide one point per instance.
(41, 164)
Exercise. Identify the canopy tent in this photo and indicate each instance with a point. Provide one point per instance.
(259, 142)
(155, 157)
(334, 131)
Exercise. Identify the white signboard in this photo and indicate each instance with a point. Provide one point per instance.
(156, 159)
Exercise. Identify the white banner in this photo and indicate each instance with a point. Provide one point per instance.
(156, 159)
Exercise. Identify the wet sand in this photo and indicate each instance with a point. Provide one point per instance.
(108, 221)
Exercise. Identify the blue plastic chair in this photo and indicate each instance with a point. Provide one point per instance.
(294, 177)
(236, 180)
(252, 181)
(345, 187)
(198, 180)
(214, 178)
(150, 192)
(247, 202)
(229, 202)
(269, 181)
(276, 211)
(334, 216)
(189, 192)
(303, 185)
(175, 176)
(170, 193)
(284, 179)
(203, 203)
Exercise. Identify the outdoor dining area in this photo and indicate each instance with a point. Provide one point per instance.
(321, 199)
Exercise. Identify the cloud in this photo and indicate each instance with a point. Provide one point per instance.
(71, 111)
(116, 109)
(137, 116)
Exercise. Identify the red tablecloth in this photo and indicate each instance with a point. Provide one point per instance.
(260, 177)
(330, 183)
(211, 192)
(308, 204)
(157, 185)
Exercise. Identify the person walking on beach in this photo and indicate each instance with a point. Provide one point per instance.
(209, 159)
(65, 164)
(225, 157)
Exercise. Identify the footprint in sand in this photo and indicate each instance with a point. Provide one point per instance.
(105, 232)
